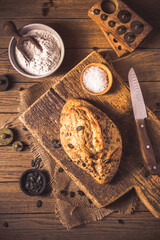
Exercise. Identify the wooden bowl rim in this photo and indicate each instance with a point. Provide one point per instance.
(24, 176)
(109, 73)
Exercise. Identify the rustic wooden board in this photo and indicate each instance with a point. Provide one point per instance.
(74, 56)
(68, 9)
(42, 119)
(79, 33)
(47, 226)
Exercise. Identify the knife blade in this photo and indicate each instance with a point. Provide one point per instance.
(140, 114)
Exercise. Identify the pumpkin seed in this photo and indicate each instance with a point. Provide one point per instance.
(79, 128)
(70, 145)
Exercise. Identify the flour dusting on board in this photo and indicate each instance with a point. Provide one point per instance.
(40, 61)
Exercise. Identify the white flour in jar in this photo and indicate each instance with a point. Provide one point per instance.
(95, 79)
(40, 61)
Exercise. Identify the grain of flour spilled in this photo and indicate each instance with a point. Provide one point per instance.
(42, 61)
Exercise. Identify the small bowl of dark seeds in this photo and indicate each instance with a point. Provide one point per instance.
(33, 182)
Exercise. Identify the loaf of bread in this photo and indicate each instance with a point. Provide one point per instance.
(90, 139)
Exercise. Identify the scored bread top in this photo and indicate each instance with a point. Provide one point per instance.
(90, 139)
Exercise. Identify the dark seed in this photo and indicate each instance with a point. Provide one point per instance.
(38, 160)
(69, 160)
(108, 161)
(37, 165)
(72, 194)
(32, 163)
(70, 145)
(25, 129)
(21, 89)
(31, 174)
(81, 193)
(5, 224)
(60, 169)
(63, 192)
(83, 164)
(55, 141)
(96, 11)
(27, 185)
(39, 203)
(79, 128)
(39, 178)
(121, 221)
(57, 145)
(146, 174)
(89, 200)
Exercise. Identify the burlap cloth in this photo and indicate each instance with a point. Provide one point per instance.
(75, 210)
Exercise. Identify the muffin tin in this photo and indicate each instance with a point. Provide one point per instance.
(122, 27)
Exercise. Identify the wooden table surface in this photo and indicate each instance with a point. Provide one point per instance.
(80, 35)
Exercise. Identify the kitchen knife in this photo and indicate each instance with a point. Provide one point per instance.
(140, 114)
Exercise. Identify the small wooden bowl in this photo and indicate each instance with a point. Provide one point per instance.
(22, 182)
(110, 78)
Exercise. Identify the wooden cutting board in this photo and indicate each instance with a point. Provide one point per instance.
(42, 120)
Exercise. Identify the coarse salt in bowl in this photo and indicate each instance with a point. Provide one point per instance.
(41, 63)
(96, 78)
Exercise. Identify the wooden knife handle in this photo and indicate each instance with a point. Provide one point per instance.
(146, 148)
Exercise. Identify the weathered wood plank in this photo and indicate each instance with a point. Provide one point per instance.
(12, 163)
(21, 203)
(80, 33)
(141, 60)
(9, 101)
(13, 200)
(69, 9)
(138, 226)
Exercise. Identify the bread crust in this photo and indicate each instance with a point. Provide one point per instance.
(90, 139)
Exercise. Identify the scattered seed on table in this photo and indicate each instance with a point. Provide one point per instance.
(63, 192)
(55, 141)
(25, 129)
(57, 145)
(38, 160)
(69, 160)
(81, 193)
(60, 169)
(72, 194)
(37, 165)
(83, 164)
(5, 224)
(32, 163)
(39, 203)
(121, 221)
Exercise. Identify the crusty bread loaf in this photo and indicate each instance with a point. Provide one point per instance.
(90, 139)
